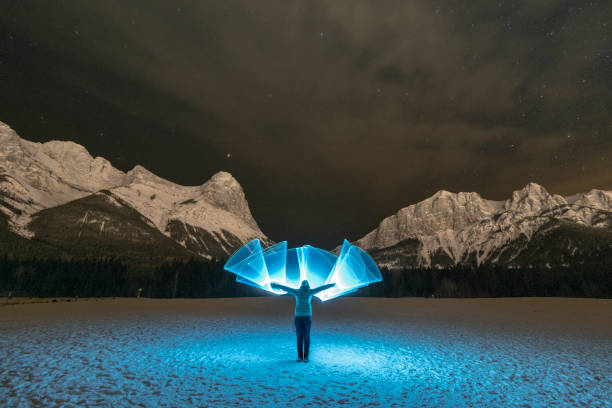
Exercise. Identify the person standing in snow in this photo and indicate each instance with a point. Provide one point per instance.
(303, 314)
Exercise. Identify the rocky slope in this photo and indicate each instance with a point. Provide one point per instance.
(102, 225)
(211, 220)
(463, 228)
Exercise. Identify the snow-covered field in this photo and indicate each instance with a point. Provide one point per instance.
(365, 352)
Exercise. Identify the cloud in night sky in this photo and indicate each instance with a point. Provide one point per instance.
(334, 113)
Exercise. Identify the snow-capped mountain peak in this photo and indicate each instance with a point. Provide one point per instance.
(224, 191)
(444, 211)
(598, 199)
(193, 215)
(42, 175)
(463, 226)
(7, 134)
(142, 175)
(36, 176)
(533, 199)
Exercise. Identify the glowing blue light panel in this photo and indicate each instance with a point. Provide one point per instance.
(352, 269)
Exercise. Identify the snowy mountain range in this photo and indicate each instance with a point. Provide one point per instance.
(533, 227)
(55, 198)
(57, 194)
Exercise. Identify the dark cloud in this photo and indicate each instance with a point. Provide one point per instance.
(336, 113)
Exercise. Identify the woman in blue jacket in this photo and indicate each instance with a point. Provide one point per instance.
(303, 314)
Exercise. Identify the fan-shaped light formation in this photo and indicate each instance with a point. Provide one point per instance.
(350, 270)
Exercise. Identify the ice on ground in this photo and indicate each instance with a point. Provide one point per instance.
(365, 352)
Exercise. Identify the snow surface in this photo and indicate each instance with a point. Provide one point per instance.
(365, 352)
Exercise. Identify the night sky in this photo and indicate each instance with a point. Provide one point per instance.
(331, 114)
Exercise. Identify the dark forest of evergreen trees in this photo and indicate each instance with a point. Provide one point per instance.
(496, 281)
(111, 277)
(199, 278)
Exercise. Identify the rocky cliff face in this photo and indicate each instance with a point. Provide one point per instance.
(35, 176)
(211, 220)
(448, 229)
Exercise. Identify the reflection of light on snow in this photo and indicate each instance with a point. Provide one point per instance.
(214, 353)
(351, 356)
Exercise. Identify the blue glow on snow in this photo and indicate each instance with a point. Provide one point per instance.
(390, 352)
(352, 269)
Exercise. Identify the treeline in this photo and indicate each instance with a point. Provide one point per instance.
(495, 281)
(199, 278)
(51, 277)
(111, 277)
(195, 279)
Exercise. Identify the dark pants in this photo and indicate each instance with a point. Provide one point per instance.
(302, 330)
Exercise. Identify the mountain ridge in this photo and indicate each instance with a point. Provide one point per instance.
(39, 176)
(213, 219)
(464, 227)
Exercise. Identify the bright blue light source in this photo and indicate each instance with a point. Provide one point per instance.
(350, 270)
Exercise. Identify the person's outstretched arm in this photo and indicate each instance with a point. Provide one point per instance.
(322, 288)
(282, 287)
